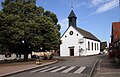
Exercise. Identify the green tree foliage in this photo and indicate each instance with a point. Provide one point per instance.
(52, 16)
(19, 21)
(18, 1)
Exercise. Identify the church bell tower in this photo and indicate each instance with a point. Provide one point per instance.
(72, 19)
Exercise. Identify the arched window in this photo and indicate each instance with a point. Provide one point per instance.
(88, 45)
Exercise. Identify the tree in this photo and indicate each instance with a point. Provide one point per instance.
(16, 23)
(56, 43)
(48, 32)
(52, 16)
(25, 28)
(19, 1)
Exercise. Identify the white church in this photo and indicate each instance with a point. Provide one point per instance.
(78, 42)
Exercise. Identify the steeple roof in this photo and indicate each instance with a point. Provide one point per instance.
(72, 14)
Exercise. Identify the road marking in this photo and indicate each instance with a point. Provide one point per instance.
(58, 69)
(62, 69)
(39, 69)
(80, 70)
(49, 69)
(69, 69)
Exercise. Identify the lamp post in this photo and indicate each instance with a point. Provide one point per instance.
(23, 49)
(23, 45)
(23, 41)
(41, 48)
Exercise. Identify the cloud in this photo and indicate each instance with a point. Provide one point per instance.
(107, 6)
(103, 5)
(64, 25)
(98, 2)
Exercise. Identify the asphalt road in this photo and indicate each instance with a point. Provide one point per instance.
(66, 67)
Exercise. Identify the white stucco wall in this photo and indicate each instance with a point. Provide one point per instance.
(13, 56)
(2, 57)
(91, 52)
(73, 40)
(70, 41)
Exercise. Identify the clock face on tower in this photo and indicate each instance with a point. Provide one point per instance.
(71, 32)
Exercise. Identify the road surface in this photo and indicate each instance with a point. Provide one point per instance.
(66, 67)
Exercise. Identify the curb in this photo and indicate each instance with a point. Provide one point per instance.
(117, 60)
(96, 67)
(23, 70)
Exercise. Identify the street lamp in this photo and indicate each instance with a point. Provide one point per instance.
(23, 41)
(23, 45)
(41, 48)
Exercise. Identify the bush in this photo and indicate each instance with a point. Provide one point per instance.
(51, 57)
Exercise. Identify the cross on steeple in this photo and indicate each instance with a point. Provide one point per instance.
(71, 4)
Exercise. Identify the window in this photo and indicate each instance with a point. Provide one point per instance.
(61, 41)
(92, 45)
(70, 20)
(73, 19)
(71, 32)
(88, 45)
(95, 46)
(65, 36)
(77, 34)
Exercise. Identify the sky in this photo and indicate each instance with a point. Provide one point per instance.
(95, 16)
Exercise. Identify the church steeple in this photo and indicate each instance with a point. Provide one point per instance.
(72, 19)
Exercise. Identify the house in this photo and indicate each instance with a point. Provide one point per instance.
(114, 46)
(115, 36)
(78, 42)
(103, 45)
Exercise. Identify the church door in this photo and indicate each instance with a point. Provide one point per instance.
(71, 51)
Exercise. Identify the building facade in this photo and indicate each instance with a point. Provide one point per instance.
(78, 42)
(114, 46)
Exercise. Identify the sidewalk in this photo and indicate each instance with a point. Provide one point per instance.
(108, 68)
(11, 68)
